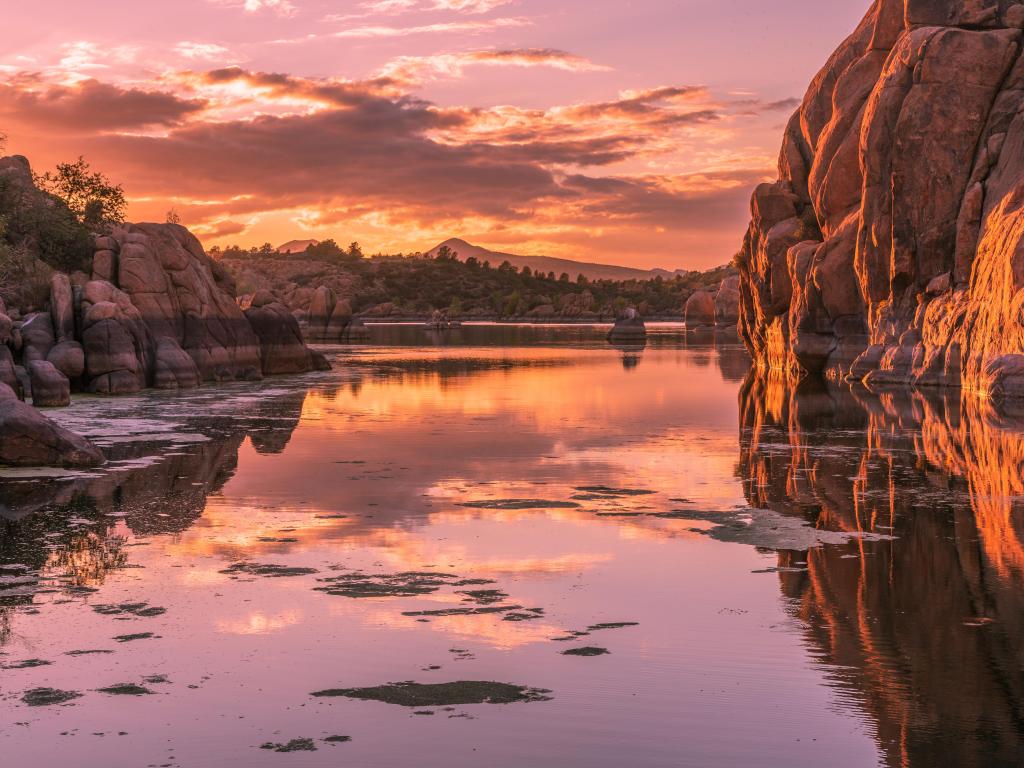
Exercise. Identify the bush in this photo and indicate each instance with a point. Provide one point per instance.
(24, 280)
(44, 227)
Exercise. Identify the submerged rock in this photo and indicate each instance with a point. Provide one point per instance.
(628, 329)
(29, 439)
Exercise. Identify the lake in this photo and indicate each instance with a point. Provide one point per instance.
(518, 545)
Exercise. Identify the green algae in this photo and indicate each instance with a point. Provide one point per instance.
(406, 584)
(465, 611)
(141, 610)
(88, 652)
(125, 689)
(605, 490)
(520, 504)
(483, 596)
(588, 650)
(27, 664)
(46, 697)
(411, 694)
(135, 636)
(295, 745)
(268, 570)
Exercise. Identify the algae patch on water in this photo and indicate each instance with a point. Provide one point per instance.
(520, 504)
(135, 636)
(411, 694)
(125, 689)
(269, 570)
(406, 584)
(588, 650)
(26, 664)
(141, 610)
(45, 697)
(604, 491)
(772, 530)
(295, 745)
(88, 652)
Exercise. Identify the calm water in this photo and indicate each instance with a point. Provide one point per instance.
(810, 577)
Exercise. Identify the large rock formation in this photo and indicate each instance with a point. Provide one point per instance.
(27, 438)
(158, 312)
(892, 246)
(329, 319)
(182, 295)
(281, 346)
(700, 309)
(727, 302)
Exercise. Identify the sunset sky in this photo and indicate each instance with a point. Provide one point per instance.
(620, 132)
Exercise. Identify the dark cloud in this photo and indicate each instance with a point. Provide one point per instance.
(364, 147)
(753, 107)
(90, 106)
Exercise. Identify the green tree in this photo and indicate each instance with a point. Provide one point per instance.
(355, 252)
(173, 217)
(326, 250)
(95, 201)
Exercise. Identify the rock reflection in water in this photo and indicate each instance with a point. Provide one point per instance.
(64, 532)
(926, 631)
(632, 354)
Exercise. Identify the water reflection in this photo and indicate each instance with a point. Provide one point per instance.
(925, 632)
(400, 461)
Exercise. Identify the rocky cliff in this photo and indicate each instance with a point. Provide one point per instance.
(891, 249)
(156, 311)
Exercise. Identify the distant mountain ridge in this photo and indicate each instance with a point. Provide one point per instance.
(547, 264)
(296, 246)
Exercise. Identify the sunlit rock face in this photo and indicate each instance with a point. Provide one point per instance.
(890, 249)
(182, 297)
(925, 632)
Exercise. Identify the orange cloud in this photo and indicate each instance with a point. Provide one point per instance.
(230, 148)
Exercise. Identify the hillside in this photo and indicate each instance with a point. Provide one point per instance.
(397, 286)
(548, 264)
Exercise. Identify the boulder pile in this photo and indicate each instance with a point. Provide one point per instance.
(156, 311)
